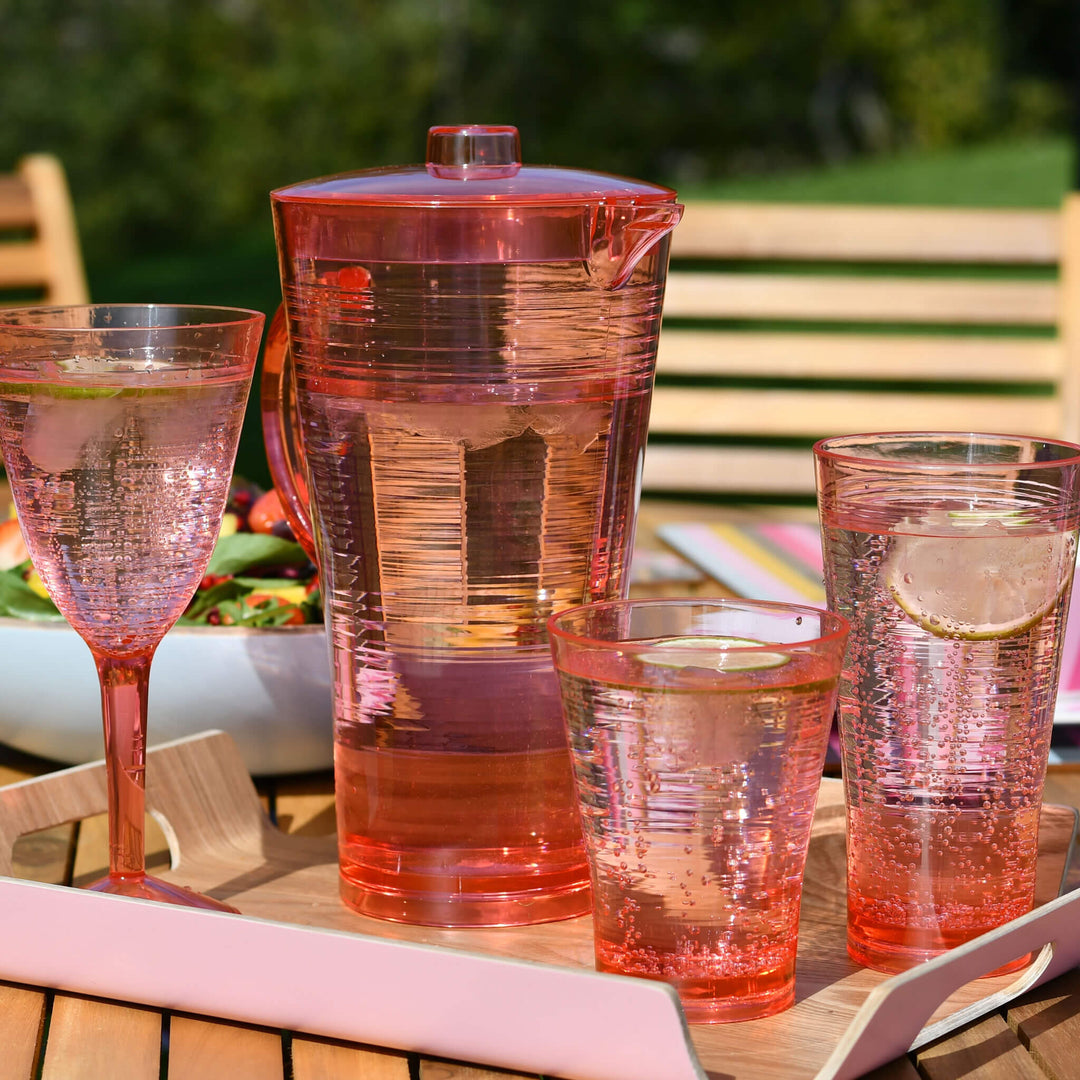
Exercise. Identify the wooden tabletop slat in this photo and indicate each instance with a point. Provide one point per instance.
(91, 1039)
(901, 1069)
(1048, 1023)
(988, 1050)
(11, 774)
(22, 1017)
(323, 1059)
(216, 1050)
(452, 1070)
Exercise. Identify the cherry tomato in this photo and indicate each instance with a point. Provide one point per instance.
(12, 549)
(266, 513)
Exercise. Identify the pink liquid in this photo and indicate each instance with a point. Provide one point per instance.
(945, 743)
(453, 532)
(698, 794)
(925, 880)
(502, 825)
(473, 436)
(120, 494)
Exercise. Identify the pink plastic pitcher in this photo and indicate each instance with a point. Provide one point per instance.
(455, 404)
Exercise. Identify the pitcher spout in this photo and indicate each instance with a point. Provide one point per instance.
(622, 234)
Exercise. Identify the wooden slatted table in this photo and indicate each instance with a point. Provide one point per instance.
(60, 1036)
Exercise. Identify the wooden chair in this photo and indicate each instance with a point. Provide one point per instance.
(787, 323)
(40, 259)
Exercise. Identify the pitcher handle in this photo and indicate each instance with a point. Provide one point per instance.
(277, 402)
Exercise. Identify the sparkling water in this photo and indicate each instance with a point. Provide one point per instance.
(698, 790)
(947, 702)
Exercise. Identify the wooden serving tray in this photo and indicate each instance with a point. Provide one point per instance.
(524, 998)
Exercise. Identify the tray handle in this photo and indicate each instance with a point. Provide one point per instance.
(893, 1019)
(197, 788)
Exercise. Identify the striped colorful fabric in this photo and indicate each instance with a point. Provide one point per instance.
(782, 561)
(773, 561)
(1068, 704)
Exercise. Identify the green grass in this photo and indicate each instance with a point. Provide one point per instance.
(1025, 172)
(242, 270)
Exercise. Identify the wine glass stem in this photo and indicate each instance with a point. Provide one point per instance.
(123, 705)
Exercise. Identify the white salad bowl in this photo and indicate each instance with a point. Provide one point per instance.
(269, 688)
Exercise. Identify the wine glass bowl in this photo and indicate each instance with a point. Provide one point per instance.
(119, 426)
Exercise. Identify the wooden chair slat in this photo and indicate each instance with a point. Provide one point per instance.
(853, 299)
(56, 228)
(775, 295)
(36, 200)
(814, 413)
(16, 206)
(702, 469)
(735, 353)
(740, 230)
(22, 264)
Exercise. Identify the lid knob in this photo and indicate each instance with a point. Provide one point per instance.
(473, 152)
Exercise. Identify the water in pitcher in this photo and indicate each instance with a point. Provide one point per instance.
(461, 494)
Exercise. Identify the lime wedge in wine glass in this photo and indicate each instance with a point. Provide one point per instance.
(89, 371)
(979, 579)
(715, 653)
(58, 390)
(82, 393)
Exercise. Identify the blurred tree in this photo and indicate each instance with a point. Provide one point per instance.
(176, 117)
(1041, 55)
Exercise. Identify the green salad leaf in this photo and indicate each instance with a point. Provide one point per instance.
(242, 551)
(232, 579)
(19, 601)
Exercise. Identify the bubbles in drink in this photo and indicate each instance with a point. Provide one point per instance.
(111, 484)
(947, 700)
(697, 796)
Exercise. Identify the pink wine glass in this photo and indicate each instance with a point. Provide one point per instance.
(119, 426)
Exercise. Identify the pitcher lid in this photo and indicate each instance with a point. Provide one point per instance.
(471, 163)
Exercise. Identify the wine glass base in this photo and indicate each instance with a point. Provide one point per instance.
(146, 887)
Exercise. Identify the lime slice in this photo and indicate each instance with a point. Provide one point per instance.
(56, 390)
(90, 372)
(711, 653)
(976, 580)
